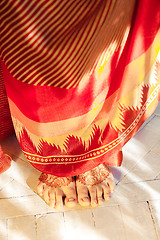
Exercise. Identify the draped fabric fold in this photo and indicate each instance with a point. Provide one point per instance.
(6, 126)
(81, 78)
(5, 161)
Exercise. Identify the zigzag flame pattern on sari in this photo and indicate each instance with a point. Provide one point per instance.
(81, 77)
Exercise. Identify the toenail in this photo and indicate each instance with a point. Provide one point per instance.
(94, 204)
(107, 197)
(59, 205)
(100, 199)
(71, 199)
(85, 199)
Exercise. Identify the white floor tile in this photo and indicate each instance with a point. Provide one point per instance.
(50, 226)
(3, 229)
(157, 111)
(158, 177)
(79, 225)
(23, 173)
(133, 151)
(156, 148)
(15, 189)
(22, 206)
(22, 228)
(108, 223)
(155, 206)
(4, 179)
(137, 148)
(154, 124)
(147, 168)
(146, 122)
(146, 138)
(138, 222)
(137, 192)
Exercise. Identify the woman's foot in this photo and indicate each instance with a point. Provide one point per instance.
(54, 189)
(95, 186)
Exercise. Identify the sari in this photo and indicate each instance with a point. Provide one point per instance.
(6, 126)
(81, 78)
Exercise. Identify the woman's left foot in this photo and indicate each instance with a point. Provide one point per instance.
(95, 186)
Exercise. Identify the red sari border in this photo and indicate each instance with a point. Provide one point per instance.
(99, 152)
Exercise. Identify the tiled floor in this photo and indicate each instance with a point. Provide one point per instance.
(133, 213)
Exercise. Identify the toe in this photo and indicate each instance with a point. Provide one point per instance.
(111, 183)
(71, 195)
(100, 194)
(84, 201)
(71, 198)
(107, 193)
(59, 198)
(93, 196)
(52, 196)
(46, 194)
(40, 188)
(83, 197)
(70, 202)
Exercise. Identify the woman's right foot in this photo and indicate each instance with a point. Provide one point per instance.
(54, 189)
(95, 186)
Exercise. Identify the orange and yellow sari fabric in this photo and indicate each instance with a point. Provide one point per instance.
(81, 77)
